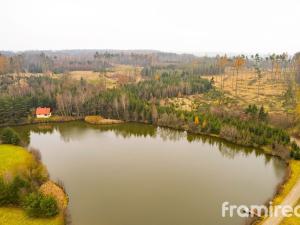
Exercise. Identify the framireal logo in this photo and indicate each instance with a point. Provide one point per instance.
(232, 210)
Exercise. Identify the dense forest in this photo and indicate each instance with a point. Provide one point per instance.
(78, 98)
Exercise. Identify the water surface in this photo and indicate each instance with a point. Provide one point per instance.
(133, 174)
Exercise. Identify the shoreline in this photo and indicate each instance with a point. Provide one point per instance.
(288, 195)
(263, 149)
(57, 119)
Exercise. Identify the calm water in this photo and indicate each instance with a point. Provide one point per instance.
(135, 174)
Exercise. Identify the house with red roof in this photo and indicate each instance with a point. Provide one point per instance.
(42, 112)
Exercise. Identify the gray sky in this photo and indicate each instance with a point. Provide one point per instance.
(169, 25)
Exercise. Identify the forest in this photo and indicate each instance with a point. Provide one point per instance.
(33, 79)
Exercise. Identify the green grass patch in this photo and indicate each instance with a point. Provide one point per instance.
(14, 158)
(16, 216)
(293, 220)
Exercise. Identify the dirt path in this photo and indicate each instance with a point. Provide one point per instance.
(291, 199)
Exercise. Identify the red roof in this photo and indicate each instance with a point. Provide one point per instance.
(42, 111)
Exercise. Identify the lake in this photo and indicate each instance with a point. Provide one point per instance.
(135, 174)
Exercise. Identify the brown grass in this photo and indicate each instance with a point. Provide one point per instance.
(55, 119)
(93, 77)
(118, 74)
(270, 92)
(51, 189)
(100, 120)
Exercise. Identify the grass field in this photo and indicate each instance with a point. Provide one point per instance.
(118, 74)
(15, 216)
(93, 77)
(293, 220)
(112, 77)
(14, 159)
(271, 94)
(270, 90)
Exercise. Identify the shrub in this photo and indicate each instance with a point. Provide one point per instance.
(229, 133)
(295, 153)
(11, 193)
(36, 175)
(2, 193)
(38, 205)
(93, 119)
(262, 115)
(252, 110)
(9, 136)
(36, 154)
(245, 138)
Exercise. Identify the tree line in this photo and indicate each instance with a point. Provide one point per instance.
(69, 97)
(83, 60)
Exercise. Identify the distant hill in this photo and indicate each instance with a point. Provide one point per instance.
(91, 59)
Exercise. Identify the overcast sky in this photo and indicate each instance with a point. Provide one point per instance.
(170, 25)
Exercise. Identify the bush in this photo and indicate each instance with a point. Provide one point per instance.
(11, 193)
(93, 119)
(38, 205)
(36, 174)
(262, 115)
(229, 133)
(36, 154)
(252, 110)
(295, 153)
(9, 136)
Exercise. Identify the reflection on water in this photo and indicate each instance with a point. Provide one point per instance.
(78, 130)
(133, 174)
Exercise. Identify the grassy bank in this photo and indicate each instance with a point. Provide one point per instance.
(295, 176)
(293, 220)
(15, 160)
(292, 178)
(52, 119)
(16, 216)
(56, 119)
(98, 120)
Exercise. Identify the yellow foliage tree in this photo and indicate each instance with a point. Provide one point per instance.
(238, 63)
(3, 64)
(196, 121)
(204, 124)
(157, 77)
(277, 70)
(222, 62)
